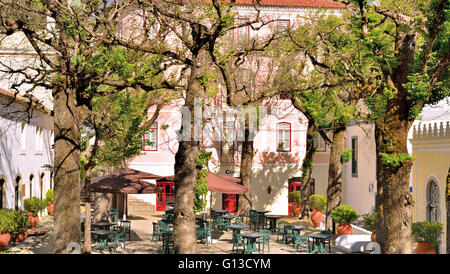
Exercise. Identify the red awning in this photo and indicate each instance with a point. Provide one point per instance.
(225, 184)
(125, 180)
(218, 183)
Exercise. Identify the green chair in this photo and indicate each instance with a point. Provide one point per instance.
(167, 243)
(265, 240)
(237, 242)
(262, 221)
(299, 240)
(119, 236)
(218, 222)
(288, 233)
(204, 233)
(253, 219)
(239, 220)
(157, 232)
(280, 230)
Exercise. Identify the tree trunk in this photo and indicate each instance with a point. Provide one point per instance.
(186, 170)
(394, 210)
(334, 190)
(103, 202)
(246, 169)
(67, 227)
(447, 196)
(307, 166)
(87, 215)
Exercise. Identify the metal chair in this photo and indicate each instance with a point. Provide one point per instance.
(119, 236)
(300, 241)
(237, 242)
(218, 222)
(167, 243)
(127, 226)
(280, 230)
(204, 233)
(265, 240)
(157, 232)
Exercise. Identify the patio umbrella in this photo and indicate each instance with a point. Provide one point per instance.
(225, 184)
(125, 181)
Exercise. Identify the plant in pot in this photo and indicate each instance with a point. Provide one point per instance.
(295, 197)
(33, 205)
(50, 202)
(21, 223)
(369, 222)
(317, 203)
(427, 235)
(6, 226)
(344, 215)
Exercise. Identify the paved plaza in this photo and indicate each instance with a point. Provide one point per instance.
(141, 239)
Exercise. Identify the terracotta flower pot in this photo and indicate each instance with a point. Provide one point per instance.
(373, 236)
(344, 229)
(34, 220)
(296, 209)
(4, 240)
(51, 209)
(19, 237)
(316, 217)
(424, 248)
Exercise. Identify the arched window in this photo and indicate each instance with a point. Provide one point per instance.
(31, 185)
(284, 137)
(41, 185)
(16, 191)
(433, 201)
(2, 192)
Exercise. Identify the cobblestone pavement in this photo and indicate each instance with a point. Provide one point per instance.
(141, 240)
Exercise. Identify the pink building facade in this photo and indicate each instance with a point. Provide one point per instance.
(280, 136)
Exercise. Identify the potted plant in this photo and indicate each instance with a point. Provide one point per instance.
(5, 227)
(427, 235)
(50, 202)
(294, 199)
(344, 215)
(33, 205)
(20, 225)
(369, 222)
(317, 203)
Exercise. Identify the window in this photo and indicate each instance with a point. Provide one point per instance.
(230, 150)
(2, 193)
(354, 156)
(16, 192)
(284, 137)
(282, 25)
(31, 185)
(433, 207)
(23, 138)
(150, 142)
(319, 143)
(39, 139)
(242, 34)
(41, 185)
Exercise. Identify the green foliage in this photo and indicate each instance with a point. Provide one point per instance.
(344, 214)
(394, 159)
(346, 155)
(13, 221)
(201, 186)
(49, 197)
(317, 201)
(295, 196)
(6, 220)
(34, 205)
(369, 221)
(20, 221)
(427, 232)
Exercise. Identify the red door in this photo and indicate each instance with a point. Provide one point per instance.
(166, 197)
(229, 202)
(293, 186)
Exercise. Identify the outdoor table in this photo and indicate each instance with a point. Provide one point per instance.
(101, 238)
(319, 242)
(251, 242)
(237, 228)
(228, 218)
(273, 221)
(222, 211)
(104, 225)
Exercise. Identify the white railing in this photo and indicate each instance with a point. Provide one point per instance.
(431, 130)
